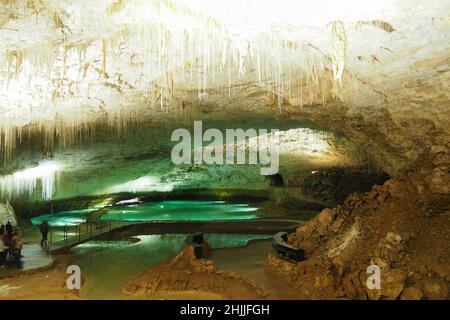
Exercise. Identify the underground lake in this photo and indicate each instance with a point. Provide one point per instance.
(156, 211)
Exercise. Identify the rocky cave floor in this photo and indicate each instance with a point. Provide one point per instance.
(401, 226)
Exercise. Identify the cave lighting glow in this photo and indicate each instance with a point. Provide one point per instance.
(142, 184)
(262, 13)
(64, 218)
(299, 141)
(72, 52)
(27, 181)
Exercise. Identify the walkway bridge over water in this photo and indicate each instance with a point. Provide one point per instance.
(70, 236)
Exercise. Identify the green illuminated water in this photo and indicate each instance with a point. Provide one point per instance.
(181, 211)
(64, 218)
(108, 265)
(157, 211)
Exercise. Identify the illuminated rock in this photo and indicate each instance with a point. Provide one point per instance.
(7, 214)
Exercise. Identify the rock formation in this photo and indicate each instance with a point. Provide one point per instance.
(400, 227)
(185, 273)
(7, 214)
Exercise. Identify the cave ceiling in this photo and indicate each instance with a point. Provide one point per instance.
(375, 71)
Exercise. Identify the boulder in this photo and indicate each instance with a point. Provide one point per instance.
(411, 293)
(435, 289)
(392, 283)
(280, 266)
(323, 221)
(324, 282)
(353, 287)
(337, 224)
(390, 250)
(308, 246)
(393, 237)
(338, 265)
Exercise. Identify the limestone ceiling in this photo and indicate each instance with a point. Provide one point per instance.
(64, 63)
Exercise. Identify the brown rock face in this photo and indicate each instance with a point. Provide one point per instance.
(390, 250)
(392, 283)
(280, 267)
(411, 293)
(435, 289)
(353, 287)
(390, 228)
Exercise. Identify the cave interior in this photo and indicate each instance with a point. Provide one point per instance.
(117, 116)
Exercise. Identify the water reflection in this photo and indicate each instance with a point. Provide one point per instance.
(108, 265)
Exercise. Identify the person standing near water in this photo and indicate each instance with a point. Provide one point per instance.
(44, 231)
(9, 229)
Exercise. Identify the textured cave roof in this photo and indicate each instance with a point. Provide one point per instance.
(378, 71)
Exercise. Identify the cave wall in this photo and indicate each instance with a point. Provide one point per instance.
(138, 162)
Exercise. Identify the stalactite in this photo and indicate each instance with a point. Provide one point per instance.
(339, 47)
(104, 55)
(28, 181)
(62, 87)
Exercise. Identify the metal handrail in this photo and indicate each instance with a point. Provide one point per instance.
(80, 233)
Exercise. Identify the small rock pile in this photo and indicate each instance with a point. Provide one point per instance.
(185, 272)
